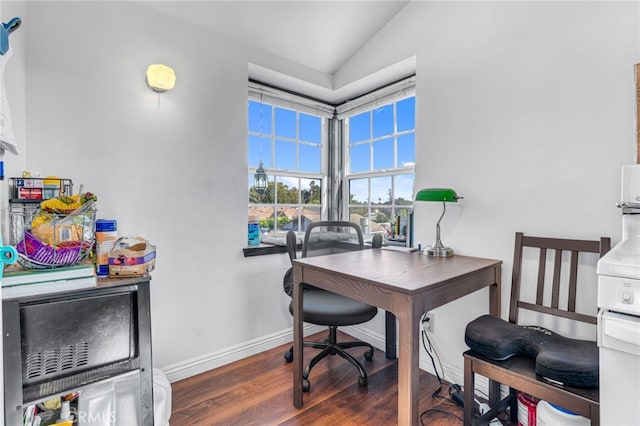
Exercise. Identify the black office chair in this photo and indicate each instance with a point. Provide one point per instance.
(322, 307)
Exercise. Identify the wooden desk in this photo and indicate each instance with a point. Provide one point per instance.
(405, 284)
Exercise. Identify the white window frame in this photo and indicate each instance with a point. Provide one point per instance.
(278, 98)
(390, 94)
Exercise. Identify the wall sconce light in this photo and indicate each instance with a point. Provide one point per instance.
(446, 195)
(160, 78)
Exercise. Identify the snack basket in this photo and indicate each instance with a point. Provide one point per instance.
(47, 240)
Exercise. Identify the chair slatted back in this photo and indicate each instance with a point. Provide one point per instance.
(559, 246)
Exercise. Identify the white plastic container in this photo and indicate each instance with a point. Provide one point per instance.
(551, 415)
(116, 402)
(161, 398)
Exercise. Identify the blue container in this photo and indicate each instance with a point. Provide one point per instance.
(253, 231)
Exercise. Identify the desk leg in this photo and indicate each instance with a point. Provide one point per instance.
(390, 335)
(494, 293)
(408, 361)
(494, 309)
(297, 336)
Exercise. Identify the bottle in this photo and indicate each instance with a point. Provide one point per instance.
(253, 231)
(106, 235)
(527, 405)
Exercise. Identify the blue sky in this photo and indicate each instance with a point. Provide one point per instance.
(374, 145)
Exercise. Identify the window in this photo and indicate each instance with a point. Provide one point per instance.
(309, 166)
(289, 141)
(380, 160)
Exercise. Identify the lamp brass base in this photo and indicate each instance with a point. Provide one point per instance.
(439, 251)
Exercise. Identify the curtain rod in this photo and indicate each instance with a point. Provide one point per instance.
(291, 92)
(311, 98)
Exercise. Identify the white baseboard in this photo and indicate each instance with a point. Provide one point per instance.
(198, 365)
(364, 334)
(182, 370)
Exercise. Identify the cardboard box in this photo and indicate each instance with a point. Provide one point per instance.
(30, 193)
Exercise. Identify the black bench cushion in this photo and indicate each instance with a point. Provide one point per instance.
(569, 362)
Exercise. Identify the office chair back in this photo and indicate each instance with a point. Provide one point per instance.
(331, 237)
(322, 238)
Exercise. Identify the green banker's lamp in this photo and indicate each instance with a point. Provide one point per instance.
(446, 195)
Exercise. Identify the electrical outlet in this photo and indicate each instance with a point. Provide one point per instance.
(430, 320)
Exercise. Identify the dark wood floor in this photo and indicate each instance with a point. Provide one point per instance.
(257, 391)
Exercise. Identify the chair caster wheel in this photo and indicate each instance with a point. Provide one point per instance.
(363, 381)
(306, 385)
(288, 356)
(368, 355)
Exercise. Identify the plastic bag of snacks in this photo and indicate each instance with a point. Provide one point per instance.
(131, 256)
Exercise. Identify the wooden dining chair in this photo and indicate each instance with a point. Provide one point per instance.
(518, 372)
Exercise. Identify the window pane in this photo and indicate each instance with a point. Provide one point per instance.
(406, 150)
(283, 218)
(406, 110)
(257, 198)
(310, 191)
(310, 128)
(285, 123)
(383, 121)
(380, 190)
(357, 213)
(288, 190)
(359, 158)
(285, 155)
(259, 117)
(288, 219)
(383, 154)
(381, 218)
(403, 189)
(265, 217)
(359, 127)
(358, 191)
(310, 214)
(259, 149)
(310, 158)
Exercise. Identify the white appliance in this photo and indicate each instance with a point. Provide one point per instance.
(619, 314)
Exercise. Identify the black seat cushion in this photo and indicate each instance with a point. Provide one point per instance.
(325, 308)
(569, 362)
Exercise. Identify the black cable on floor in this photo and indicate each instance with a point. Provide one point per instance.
(440, 411)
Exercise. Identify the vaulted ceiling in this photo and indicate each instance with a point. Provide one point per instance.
(320, 35)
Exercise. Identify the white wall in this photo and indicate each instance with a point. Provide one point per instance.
(14, 80)
(525, 108)
(169, 167)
